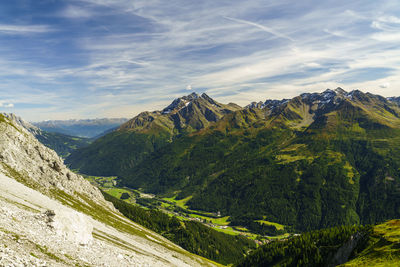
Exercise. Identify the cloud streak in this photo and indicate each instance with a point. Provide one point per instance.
(24, 29)
(262, 27)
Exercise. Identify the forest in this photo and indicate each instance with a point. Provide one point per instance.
(190, 235)
(315, 248)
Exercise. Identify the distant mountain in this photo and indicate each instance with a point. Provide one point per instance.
(123, 148)
(82, 128)
(61, 143)
(395, 99)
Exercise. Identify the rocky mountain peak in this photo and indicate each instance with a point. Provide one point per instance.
(394, 99)
(328, 98)
(184, 101)
(254, 104)
(18, 120)
(180, 102)
(192, 96)
(340, 91)
(192, 111)
(208, 99)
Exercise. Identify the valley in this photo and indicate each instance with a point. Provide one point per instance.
(179, 209)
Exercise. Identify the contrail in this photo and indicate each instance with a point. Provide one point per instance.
(264, 28)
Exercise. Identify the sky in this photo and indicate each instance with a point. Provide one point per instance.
(77, 59)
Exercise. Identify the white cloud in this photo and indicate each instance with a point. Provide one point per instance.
(390, 19)
(189, 87)
(76, 12)
(23, 29)
(385, 85)
(387, 36)
(312, 65)
(262, 27)
(6, 105)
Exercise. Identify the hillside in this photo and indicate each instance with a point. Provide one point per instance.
(344, 246)
(89, 128)
(381, 247)
(124, 148)
(52, 217)
(191, 235)
(315, 161)
(62, 144)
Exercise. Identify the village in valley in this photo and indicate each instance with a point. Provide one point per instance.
(178, 208)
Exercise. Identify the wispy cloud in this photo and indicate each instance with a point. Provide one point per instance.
(6, 105)
(24, 29)
(76, 12)
(262, 27)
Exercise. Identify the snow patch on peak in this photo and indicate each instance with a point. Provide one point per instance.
(340, 91)
(328, 94)
(180, 103)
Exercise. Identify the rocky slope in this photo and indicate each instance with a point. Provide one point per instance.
(60, 143)
(52, 217)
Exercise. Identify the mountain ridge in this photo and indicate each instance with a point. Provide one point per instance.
(147, 132)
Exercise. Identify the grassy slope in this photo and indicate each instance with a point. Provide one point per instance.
(112, 153)
(61, 143)
(379, 246)
(382, 248)
(193, 236)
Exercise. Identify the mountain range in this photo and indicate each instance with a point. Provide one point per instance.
(316, 160)
(89, 128)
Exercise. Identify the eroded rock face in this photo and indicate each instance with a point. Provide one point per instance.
(344, 252)
(41, 166)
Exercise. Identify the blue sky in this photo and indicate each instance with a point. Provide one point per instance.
(115, 58)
